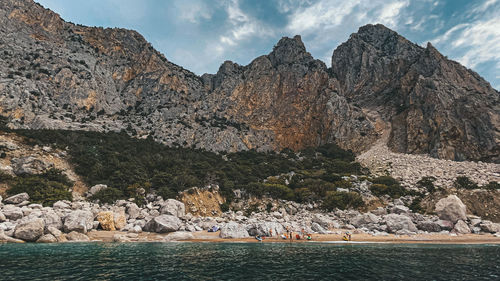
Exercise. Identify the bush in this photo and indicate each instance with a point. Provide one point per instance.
(492, 185)
(427, 183)
(415, 205)
(108, 195)
(224, 207)
(46, 188)
(166, 193)
(385, 180)
(342, 200)
(394, 191)
(465, 183)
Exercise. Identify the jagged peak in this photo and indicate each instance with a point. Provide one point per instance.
(289, 50)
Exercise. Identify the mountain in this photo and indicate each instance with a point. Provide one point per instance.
(58, 75)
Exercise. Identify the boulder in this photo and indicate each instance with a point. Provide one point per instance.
(106, 221)
(179, 236)
(265, 228)
(47, 238)
(445, 225)
(323, 221)
(96, 188)
(133, 211)
(318, 228)
(429, 226)
(452, 209)
(57, 234)
(380, 211)
(79, 220)
(75, 236)
(173, 207)
(461, 227)
(163, 224)
(51, 218)
(488, 226)
(18, 198)
(61, 205)
(29, 230)
(233, 230)
(5, 238)
(364, 219)
(400, 209)
(30, 165)
(119, 219)
(2, 217)
(397, 222)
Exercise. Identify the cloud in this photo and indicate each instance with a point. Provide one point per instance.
(193, 11)
(390, 13)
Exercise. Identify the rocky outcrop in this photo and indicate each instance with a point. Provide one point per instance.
(79, 220)
(399, 223)
(429, 103)
(174, 208)
(451, 208)
(106, 220)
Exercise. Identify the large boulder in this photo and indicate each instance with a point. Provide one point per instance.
(96, 188)
(364, 219)
(318, 228)
(173, 207)
(322, 220)
(119, 219)
(12, 213)
(29, 230)
(61, 237)
(47, 238)
(461, 227)
(51, 219)
(265, 228)
(491, 227)
(18, 198)
(163, 224)
(79, 220)
(2, 217)
(429, 226)
(106, 220)
(75, 236)
(445, 225)
(233, 230)
(133, 211)
(5, 238)
(451, 208)
(397, 222)
(61, 205)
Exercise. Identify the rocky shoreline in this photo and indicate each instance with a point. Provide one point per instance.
(65, 221)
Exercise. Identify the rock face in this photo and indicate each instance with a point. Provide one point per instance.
(75, 77)
(451, 208)
(163, 224)
(30, 230)
(233, 230)
(428, 102)
(174, 208)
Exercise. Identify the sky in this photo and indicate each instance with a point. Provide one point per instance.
(200, 35)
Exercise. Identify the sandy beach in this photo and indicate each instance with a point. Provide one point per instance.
(203, 236)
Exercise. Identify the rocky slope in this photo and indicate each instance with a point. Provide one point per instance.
(55, 74)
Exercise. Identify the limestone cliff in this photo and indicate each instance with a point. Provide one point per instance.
(55, 74)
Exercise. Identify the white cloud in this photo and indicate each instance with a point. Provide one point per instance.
(193, 11)
(390, 12)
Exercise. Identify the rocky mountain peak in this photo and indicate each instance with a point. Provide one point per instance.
(290, 50)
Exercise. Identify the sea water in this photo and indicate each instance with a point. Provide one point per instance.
(248, 261)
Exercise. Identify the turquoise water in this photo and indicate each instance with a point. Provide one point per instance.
(238, 261)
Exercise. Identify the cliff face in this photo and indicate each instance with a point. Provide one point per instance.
(431, 104)
(54, 74)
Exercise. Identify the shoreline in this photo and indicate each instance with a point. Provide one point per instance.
(361, 238)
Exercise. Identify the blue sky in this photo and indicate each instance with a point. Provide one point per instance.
(199, 35)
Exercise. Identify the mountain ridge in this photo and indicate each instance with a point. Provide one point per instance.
(113, 79)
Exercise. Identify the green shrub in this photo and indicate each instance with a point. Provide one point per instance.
(224, 207)
(427, 183)
(394, 191)
(46, 188)
(385, 180)
(342, 200)
(465, 183)
(108, 195)
(492, 185)
(166, 193)
(415, 205)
